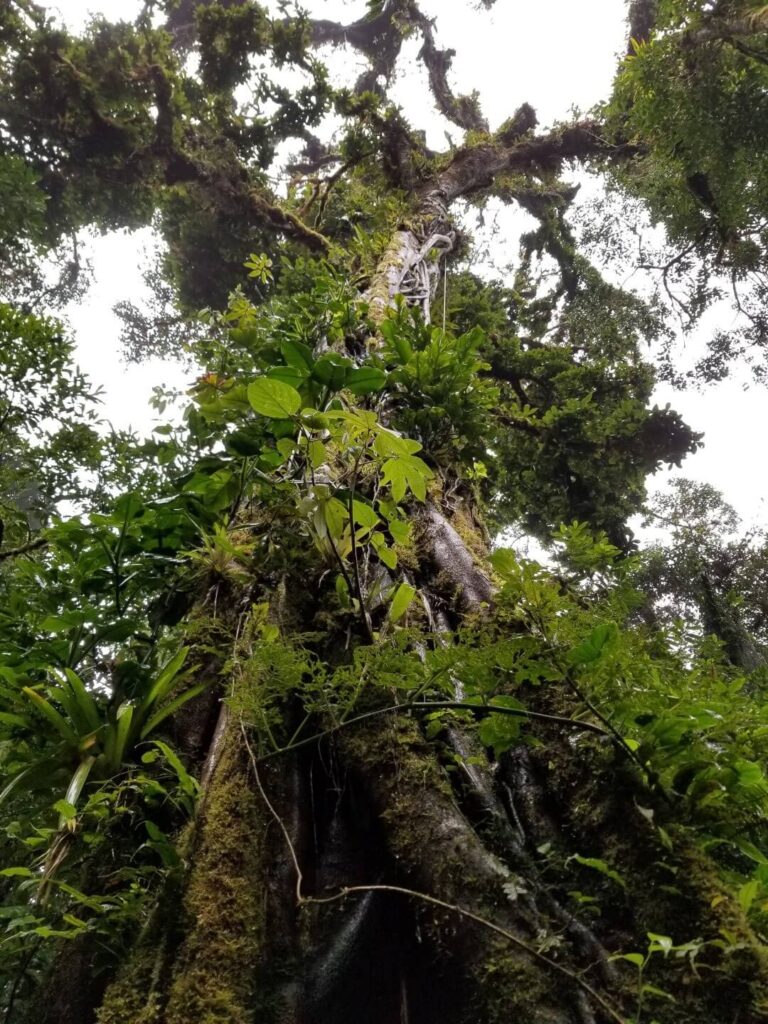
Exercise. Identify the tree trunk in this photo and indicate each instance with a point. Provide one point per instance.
(360, 880)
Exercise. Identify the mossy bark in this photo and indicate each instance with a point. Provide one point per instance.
(201, 958)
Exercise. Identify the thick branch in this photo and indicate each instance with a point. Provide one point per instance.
(724, 30)
(642, 18)
(464, 111)
(474, 168)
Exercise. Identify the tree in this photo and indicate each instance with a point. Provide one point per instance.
(712, 567)
(283, 739)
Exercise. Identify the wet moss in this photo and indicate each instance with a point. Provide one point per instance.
(134, 998)
(437, 852)
(215, 971)
(473, 535)
(199, 960)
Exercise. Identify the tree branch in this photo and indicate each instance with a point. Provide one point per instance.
(725, 30)
(642, 18)
(464, 111)
(474, 168)
(23, 549)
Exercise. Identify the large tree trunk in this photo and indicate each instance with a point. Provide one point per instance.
(358, 880)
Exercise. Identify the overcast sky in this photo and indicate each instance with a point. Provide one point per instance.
(556, 55)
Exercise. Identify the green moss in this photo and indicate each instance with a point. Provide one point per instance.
(215, 971)
(133, 998)
(473, 535)
(198, 964)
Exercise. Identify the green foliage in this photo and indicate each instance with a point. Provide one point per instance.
(435, 379)
(279, 543)
(47, 424)
(694, 96)
(570, 434)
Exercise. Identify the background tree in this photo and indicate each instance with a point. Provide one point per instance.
(711, 566)
(373, 771)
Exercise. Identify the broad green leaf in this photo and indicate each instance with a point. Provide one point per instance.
(317, 454)
(749, 775)
(501, 732)
(400, 530)
(364, 515)
(297, 354)
(392, 473)
(659, 943)
(365, 380)
(65, 810)
(592, 648)
(332, 370)
(388, 444)
(273, 398)
(315, 420)
(418, 473)
(291, 375)
(286, 447)
(336, 517)
(387, 556)
(401, 600)
(633, 958)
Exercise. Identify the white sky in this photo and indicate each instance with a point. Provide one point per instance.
(550, 54)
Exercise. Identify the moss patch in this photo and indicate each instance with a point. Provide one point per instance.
(215, 972)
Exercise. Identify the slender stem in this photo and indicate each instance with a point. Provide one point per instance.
(355, 563)
(275, 815)
(442, 705)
